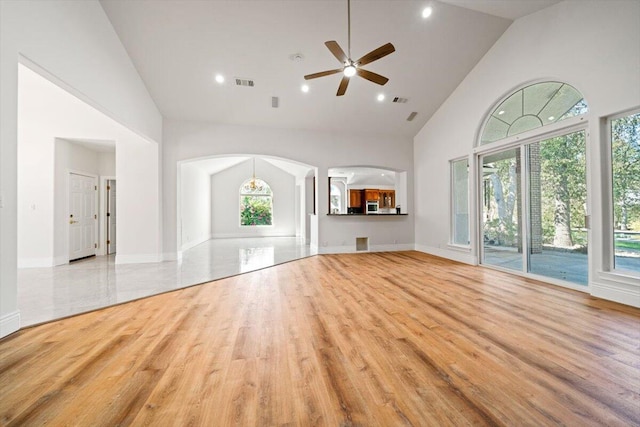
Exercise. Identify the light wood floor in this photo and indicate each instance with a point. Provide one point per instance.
(360, 339)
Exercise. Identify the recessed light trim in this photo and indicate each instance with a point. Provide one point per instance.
(380, 97)
(304, 88)
(219, 78)
(426, 12)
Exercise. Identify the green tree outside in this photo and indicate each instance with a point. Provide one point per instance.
(255, 210)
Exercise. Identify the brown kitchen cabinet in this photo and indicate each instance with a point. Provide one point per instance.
(371, 195)
(356, 198)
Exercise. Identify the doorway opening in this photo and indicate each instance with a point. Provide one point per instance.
(82, 216)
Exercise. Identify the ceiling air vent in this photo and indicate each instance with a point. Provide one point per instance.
(412, 116)
(399, 100)
(244, 82)
(274, 101)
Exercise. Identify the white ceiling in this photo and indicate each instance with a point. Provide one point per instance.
(215, 165)
(178, 46)
(509, 9)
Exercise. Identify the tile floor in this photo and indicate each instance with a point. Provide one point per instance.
(45, 294)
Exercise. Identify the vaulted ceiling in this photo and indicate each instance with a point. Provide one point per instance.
(178, 46)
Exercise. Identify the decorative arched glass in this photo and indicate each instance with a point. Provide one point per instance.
(256, 203)
(531, 107)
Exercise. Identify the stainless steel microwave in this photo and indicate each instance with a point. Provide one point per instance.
(372, 207)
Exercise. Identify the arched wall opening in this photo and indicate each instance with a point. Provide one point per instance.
(208, 198)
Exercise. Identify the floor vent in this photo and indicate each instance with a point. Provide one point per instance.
(244, 82)
(362, 244)
(412, 116)
(399, 100)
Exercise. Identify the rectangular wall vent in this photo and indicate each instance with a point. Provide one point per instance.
(244, 82)
(412, 116)
(399, 100)
(274, 101)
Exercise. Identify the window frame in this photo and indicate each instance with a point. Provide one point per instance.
(241, 194)
(452, 205)
(610, 271)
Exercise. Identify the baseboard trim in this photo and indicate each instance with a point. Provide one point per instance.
(172, 256)
(455, 255)
(623, 295)
(9, 323)
(242, 235)
(137, 259)
(351, 249)
(194, 243)
(35, 262)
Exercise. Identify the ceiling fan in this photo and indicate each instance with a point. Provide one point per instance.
(351, 67)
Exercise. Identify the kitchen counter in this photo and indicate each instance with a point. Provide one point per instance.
(361, 214)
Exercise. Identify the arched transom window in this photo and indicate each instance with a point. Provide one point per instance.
(256, 203)
(531, 107)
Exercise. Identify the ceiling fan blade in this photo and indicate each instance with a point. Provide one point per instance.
(376, 54)
(322, 74)
(337, 51)
(372, 77)
(343, 86)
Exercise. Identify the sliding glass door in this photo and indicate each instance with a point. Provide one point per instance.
(534, 208)
(501, 213)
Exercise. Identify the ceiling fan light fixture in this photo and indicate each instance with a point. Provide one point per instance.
(349, 71)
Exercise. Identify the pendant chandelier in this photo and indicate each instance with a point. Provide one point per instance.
(253, 184)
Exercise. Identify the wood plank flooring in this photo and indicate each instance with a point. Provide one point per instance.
(388, 339)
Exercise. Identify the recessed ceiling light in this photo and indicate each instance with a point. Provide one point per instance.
(305, 88)
(382, 174)
(551, 117)
(501, 112)
(426, 12)
(381, 97)
(219, 78)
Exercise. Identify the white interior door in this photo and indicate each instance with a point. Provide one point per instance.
(82, 216)
(111, 216)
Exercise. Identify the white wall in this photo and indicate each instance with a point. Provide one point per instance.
(190, 140)
(75, 43)
(47, 113)
(592, 45)
(107, 164)
(225, 218)
(195, 193)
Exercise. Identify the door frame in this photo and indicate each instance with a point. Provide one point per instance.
(95, 208)
(572, 125)
(103, 223)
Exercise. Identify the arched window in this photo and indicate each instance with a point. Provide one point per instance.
(534, 106)
(256, 203)
(534, 213)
